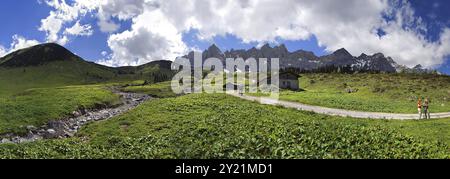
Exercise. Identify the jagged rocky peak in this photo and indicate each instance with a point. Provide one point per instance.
(266, 47)
(213, 51)
(379, 55)
(214, 48)
(306, 60)
(282, 49)
(363, 55)
(342, 52)
(340, 57)
(304, 52)
(303, 55)
(391, 60)
(418, 67)
(377, 62)
(276, 52)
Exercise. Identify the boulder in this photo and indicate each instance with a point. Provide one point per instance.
(351, 90)
(51, 131)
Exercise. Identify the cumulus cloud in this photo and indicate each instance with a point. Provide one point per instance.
(351, 24)
(120, 9)
(63, 13)
(106, 25)
(157, 26)
(79, 30)
(51, 25)
(151, 38)
(2, 51)
(18, 42)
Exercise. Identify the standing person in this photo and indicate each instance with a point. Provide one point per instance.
(419, 108)
(425, 108)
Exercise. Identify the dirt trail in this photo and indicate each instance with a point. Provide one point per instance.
(338, 112)
(68, 127)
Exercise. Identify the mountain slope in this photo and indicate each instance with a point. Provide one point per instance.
(38, 55)
(49, 65)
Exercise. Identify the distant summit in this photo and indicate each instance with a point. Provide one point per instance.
(305, 60)
(37, 55)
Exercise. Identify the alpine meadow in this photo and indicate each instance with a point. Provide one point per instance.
(211, 80)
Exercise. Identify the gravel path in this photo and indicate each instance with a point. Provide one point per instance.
(338, 112)
(68, 127)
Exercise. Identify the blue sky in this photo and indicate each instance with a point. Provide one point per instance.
(138, 27)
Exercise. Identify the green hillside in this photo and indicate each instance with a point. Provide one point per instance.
(48, 82)
(51, 65)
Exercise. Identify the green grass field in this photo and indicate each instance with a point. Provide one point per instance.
(37, 106)
(438, 129)
(33, 95)
(429, 130)
(217, 125)
(392, 93)
(221, 126)
(159, 90)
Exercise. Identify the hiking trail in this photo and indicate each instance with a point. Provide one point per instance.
(338, 112)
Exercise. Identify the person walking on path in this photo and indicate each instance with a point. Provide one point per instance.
(425, 108)
(419, 108)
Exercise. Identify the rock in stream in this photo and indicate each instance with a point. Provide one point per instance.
(67, 127)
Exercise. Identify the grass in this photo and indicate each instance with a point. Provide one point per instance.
(33, 95)
(65, 73)
(221, 126)
(37, 106)
(160, 90)
(429, 130)
(392, 93)
(55, 74)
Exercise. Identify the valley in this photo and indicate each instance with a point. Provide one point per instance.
(154, 123)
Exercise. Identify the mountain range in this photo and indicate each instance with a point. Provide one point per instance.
(306, 60)
(50, 54)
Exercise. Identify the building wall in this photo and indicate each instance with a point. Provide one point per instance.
(289, 84)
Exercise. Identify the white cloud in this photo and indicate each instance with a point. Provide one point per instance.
(150, 38)
(106, 25)
(157, 26)
(2, 51)
(352, 24)
(51, 25)
(18, 42)
(65, 13)
(79, 30)
(120, 9)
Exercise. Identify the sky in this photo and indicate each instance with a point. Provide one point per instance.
(134, 32)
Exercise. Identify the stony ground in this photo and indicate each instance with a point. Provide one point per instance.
(68, 127)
